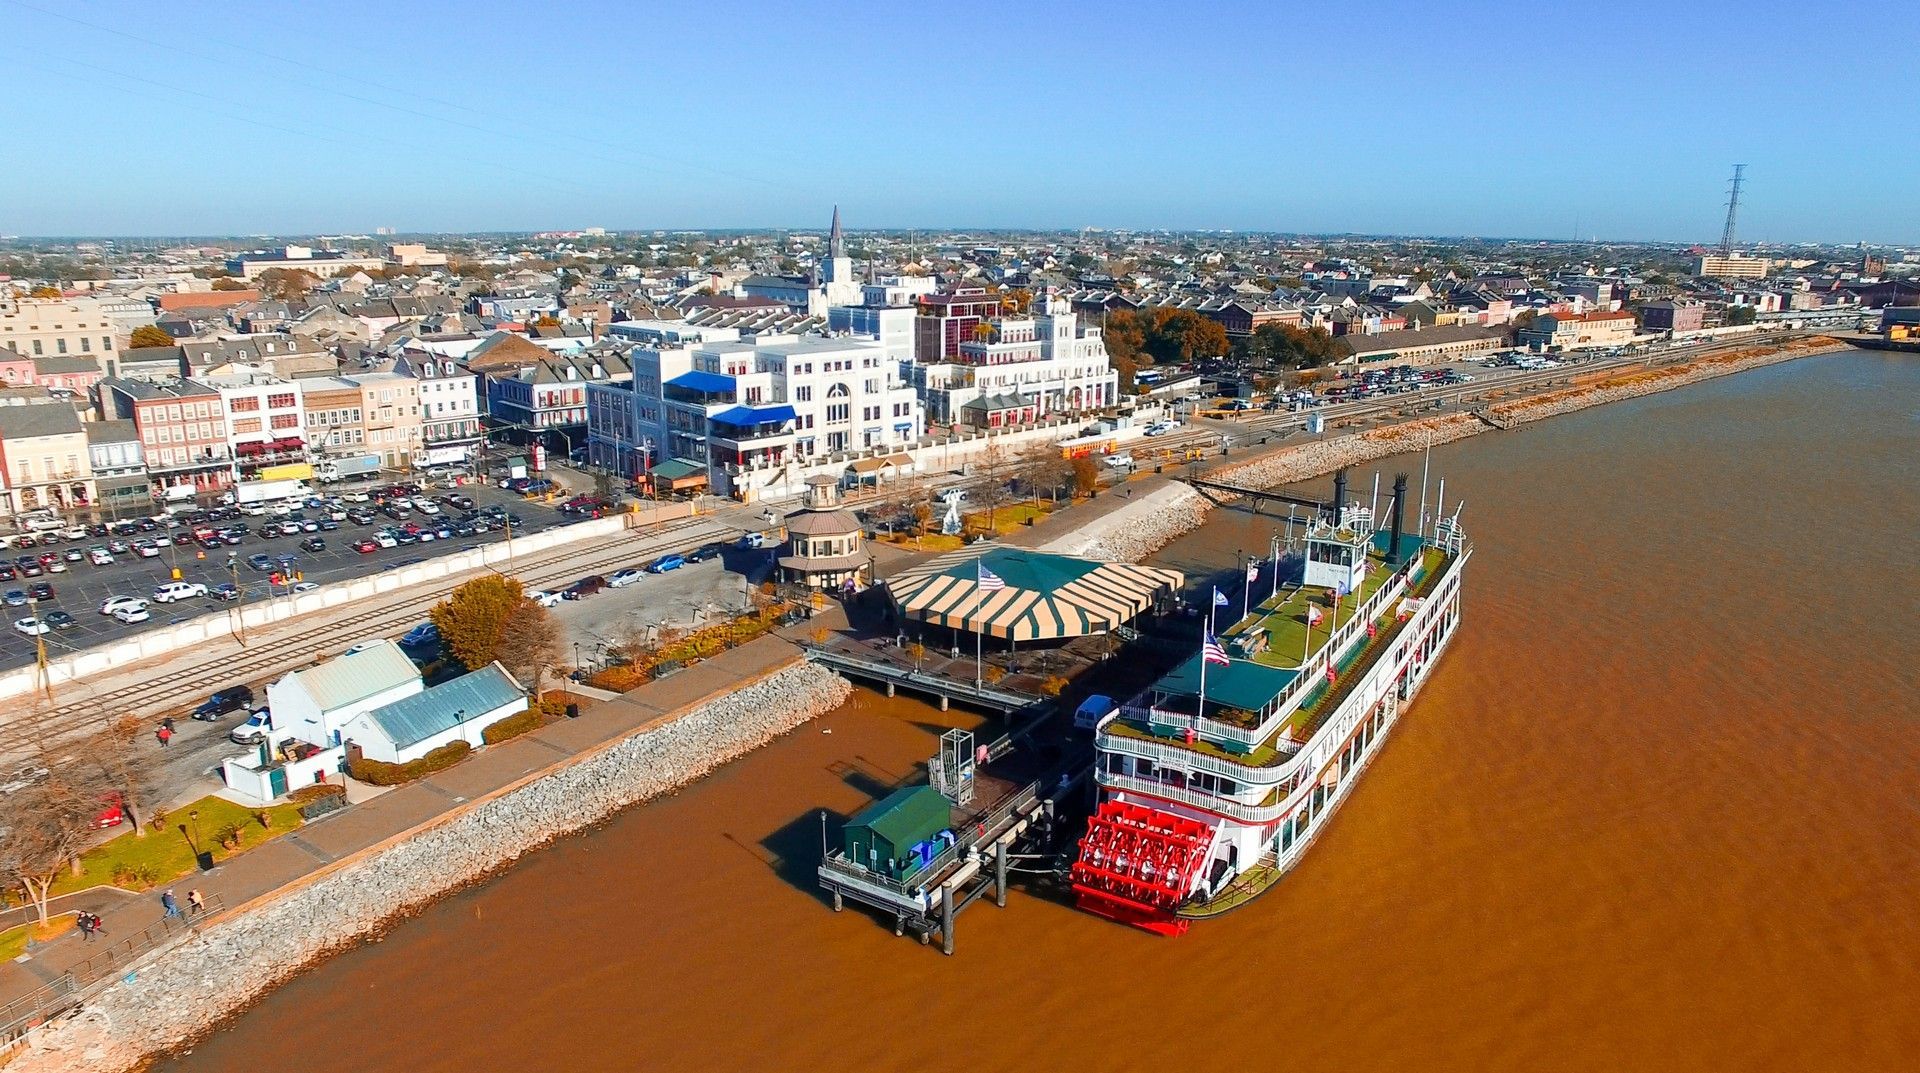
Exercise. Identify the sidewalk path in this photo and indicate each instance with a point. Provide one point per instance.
(291, 857)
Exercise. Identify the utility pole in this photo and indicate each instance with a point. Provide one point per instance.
(1733, 210)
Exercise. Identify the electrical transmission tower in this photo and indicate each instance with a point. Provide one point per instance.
(1733, 210)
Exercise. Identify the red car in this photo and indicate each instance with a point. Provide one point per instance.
(365, 547)
(111, 815)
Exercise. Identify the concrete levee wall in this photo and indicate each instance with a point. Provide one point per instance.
(217, 624)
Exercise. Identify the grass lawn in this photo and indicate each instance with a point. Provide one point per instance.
(13, 941)
(1008, 518)
(159, 857)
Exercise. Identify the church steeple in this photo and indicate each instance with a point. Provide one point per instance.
(836, 242)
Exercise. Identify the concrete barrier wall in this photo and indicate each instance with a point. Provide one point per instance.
(220, 624)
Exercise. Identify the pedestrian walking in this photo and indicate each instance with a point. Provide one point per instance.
(168, 903)
(85, 923)
(167, 721)
(164, 735)
(196, 901)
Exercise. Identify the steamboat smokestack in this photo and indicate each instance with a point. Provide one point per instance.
(1339, 495)
(1399, 500)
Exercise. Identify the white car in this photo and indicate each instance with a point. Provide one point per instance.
(385, 540)
(118, 603)
(178, 590)
(625, 577)
(257, 726)
(425, 506)
(304, 586)
(131, 615)
(30, 626)
(545, 598)
(147, 549)
(99, 556)
(1120, 461)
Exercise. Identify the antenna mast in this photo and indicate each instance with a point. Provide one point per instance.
(1733, 210)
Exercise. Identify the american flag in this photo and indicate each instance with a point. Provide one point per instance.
(988, 581)
(1211, 651)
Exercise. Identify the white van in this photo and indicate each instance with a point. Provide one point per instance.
(42, 523)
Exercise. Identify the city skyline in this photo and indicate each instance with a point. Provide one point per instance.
(1394, 121)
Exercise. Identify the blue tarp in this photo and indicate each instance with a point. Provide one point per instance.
(748, 416)
(702, 381)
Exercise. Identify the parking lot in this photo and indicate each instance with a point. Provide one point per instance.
(691, 595)
(81, 586)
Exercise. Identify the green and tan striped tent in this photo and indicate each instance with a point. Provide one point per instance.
(1047, 597)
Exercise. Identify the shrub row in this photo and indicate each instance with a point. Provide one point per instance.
(381, 773)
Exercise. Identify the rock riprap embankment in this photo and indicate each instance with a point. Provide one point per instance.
(189, 988)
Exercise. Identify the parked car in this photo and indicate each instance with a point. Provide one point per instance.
(178, 590)
(706, 551)
(545, 598)
(115, 603)
(40, 590)
(231, 698)
(59, 620)
(365, 547)
(314, 543)
(99, 556)
(30, 626)
(257, 726)
(421, 636)
(306, 586)
(15, 597)
(625, 577)
(226, 590)
(670, 561)
(585, 587)
(756, 540)
(131, 614)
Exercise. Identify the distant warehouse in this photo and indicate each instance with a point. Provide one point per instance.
(1420, 346)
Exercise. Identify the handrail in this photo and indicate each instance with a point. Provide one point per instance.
(1212, 803)
(1269, 775)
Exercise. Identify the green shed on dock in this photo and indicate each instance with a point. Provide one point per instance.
(883, 835)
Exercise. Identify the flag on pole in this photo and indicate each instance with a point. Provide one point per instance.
(1345, 586)
(988, 581)
(1253, 570)
(1219, 600)
(1210, 650)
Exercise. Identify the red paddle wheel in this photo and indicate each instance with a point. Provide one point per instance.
(1136, 864)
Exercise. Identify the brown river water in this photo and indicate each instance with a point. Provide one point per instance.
(1655, 810)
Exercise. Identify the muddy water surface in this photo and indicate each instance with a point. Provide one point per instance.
(1656, 810)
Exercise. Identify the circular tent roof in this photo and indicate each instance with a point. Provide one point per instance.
(1046, 597)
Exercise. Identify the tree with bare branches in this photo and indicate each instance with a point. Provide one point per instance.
(1043, 470)
(45, 825)
(992, 473)
(530, 644)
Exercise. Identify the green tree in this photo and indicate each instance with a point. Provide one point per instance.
(1737, 315)
(1182, 335)
(473, 618)
(228, 283)
(1283, 346)
(44, 292)
(149, 335)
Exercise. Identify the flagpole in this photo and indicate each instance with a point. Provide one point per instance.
(1276, 567)
(1200, 709)
(1246, 587)
(979, 601)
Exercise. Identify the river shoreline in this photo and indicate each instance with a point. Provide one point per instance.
(243, 955)
(1157, 518)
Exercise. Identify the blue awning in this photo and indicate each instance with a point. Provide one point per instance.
(698, 380)
(748, 416)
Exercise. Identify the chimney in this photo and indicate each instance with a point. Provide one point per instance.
(1399, 499)
(1339, 495)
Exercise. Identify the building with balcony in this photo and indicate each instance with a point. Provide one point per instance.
(390, 408)
(944, 321)
(546, 401)
(266, 421)
(450, 430)
(43, 449)
(1576, 331)
(1017, 369)
(182, 427)
(755, 413)
(119, 469)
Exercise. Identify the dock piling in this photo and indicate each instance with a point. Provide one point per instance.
(946, 918)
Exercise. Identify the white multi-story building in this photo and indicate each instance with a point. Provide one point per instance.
(449, 406)
(757, 414)
(266, 418)
(1019, 369)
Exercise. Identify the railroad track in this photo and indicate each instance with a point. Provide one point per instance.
(295, 643)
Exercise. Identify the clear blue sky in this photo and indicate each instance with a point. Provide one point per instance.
(1618, 121)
